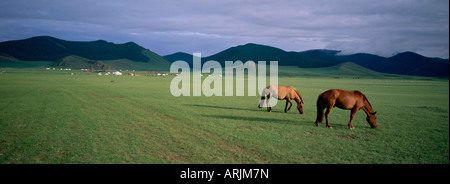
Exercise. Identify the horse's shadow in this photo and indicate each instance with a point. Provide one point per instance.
(254, 119)
(261, 119)
(257, 119)
(264, 109)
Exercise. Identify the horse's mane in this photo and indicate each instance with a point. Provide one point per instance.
(365, 98)
(298, 94)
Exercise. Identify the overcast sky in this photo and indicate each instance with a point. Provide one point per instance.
(382, 27)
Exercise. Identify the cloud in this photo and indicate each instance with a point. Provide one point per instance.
(381, 27)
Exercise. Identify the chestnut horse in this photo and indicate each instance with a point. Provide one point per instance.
(287, 93)
(350, 100)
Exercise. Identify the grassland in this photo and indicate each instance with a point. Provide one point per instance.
(52, 117)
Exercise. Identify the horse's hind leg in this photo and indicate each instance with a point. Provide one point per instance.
(327, 113)
(290, 105)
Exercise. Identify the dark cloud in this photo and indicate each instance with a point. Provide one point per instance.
(381, 27)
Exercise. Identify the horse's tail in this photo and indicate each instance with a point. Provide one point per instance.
(320, 109)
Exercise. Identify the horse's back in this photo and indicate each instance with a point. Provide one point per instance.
(282, 92)
(332, 93)
(340, 92)
(342, 98)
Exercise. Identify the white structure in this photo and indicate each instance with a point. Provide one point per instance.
(117, 73)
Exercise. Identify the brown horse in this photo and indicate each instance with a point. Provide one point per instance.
(350, 100)
(287, 93)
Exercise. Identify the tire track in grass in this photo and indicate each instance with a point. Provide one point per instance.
(101, 126)
(33, 126)
(153, 136)
(186, 140)
(70, 124)
(18, 122)
(18, 97)
(159, 128)
(205, 133)
(62, 131)
(122, 117)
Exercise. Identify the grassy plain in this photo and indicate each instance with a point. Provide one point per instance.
(52, 117)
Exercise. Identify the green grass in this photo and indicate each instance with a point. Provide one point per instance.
(52, 117)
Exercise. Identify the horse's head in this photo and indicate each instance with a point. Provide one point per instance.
(300, 107)
(372, 119)
(261, 103)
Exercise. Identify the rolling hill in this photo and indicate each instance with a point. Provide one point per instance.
(365, 60)
(348, 69)
(406, 63)
(45, 48)
(256, 52)
(322, 55)
(77, 62)
(179, 56)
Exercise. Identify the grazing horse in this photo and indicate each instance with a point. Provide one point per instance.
(287, 93)
(350, 100)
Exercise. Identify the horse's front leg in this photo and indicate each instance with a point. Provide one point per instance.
(290, 103)
(285, 108)
(267, 101)
(352, 115)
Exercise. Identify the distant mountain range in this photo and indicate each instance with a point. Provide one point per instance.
(45, 51)
(406, 63)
